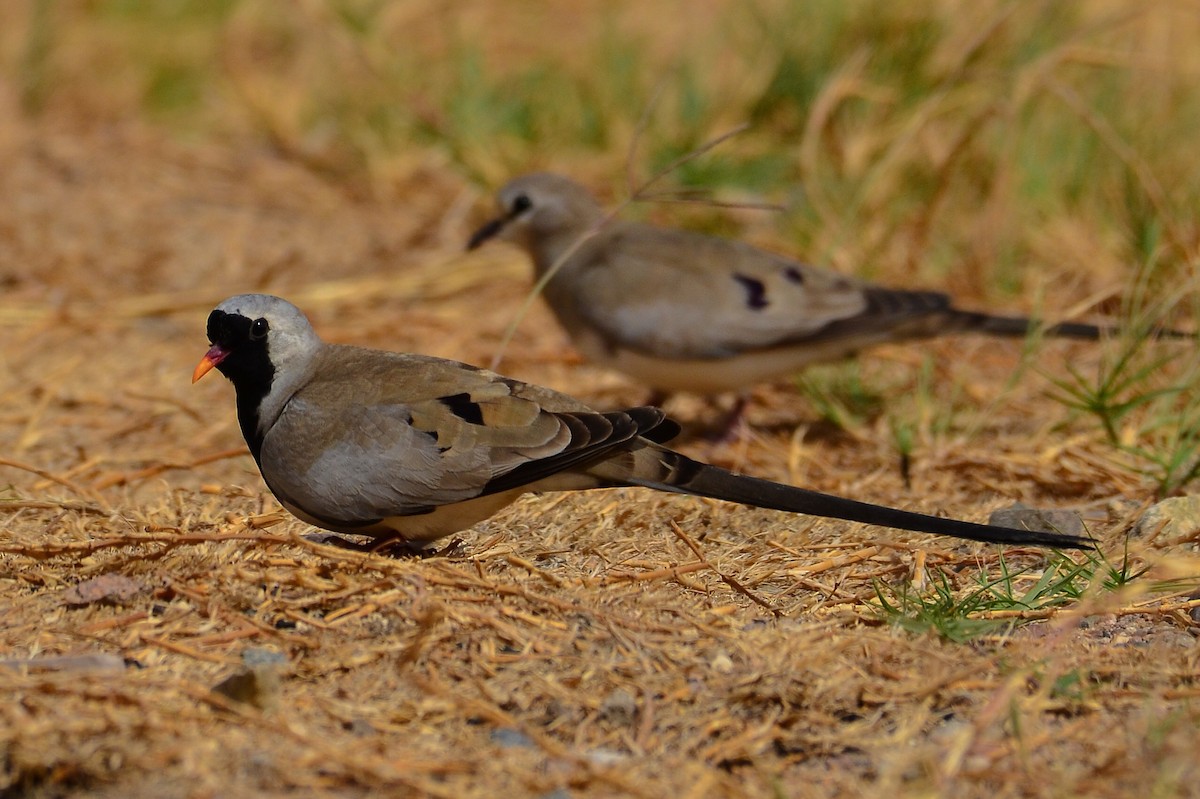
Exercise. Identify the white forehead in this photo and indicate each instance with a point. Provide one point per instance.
(292, 345)
(541, 186)
(276, 309)
(291, 339)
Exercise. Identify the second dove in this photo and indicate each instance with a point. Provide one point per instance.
(683, 311)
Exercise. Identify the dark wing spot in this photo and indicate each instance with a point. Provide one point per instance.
(433, 434)
(756, 292)
(794, 275)
(462, 406)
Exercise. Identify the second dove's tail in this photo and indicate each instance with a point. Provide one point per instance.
(930, 313)
(921, 314)
(1018, 326)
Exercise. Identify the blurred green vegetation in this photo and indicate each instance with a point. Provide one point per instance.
(873, 122)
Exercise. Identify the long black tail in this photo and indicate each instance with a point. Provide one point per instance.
(922, 314)
(686, 476)
(1021, 326)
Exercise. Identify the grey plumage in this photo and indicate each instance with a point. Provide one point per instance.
(410, 447)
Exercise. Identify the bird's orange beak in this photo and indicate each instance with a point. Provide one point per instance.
(211, 358)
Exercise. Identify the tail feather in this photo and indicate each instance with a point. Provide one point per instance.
(1018, 326)
(1021, 326)
(925, 314)
(683, 475)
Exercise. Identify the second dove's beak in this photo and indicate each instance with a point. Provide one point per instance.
(489, 230)
(211, 358)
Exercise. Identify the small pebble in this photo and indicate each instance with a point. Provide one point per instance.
(619, 707)
(1172, 518)
(509, 738)
(360, 727)
(606, 757)
(112, 588)
(261, 656)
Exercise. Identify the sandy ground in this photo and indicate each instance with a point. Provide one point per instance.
(618, 643)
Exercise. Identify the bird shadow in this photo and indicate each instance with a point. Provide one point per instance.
(389, 547)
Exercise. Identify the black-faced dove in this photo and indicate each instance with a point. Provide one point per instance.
(412, 448)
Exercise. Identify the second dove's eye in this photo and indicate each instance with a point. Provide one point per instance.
(521, 204)
(258, 329)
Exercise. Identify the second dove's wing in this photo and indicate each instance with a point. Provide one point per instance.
(684, 295)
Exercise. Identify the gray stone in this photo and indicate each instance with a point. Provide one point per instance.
(510, 738)
(1173, 518)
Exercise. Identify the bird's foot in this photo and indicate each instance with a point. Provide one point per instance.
(734, 427)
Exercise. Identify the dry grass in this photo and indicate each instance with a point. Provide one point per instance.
(619, 643)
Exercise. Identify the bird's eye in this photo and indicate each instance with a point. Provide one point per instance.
(521, 203)
(258, 329)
